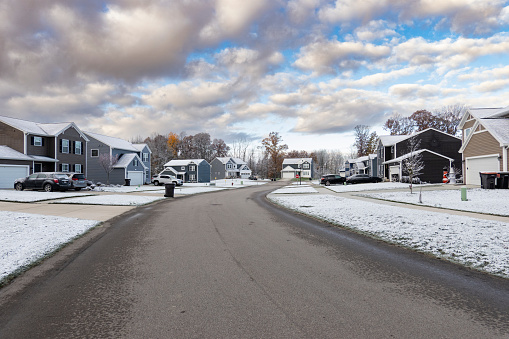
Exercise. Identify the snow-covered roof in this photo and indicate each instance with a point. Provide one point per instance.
(389, 140)
(39, 128)
(43, 158)
(140, 147)
(8, 153)
(404, 156)
(113, 142)
(296, 161)
(499, 128)
(224, 160)
(184, 162)
(126, 159)
(239, 161)
(503, 112)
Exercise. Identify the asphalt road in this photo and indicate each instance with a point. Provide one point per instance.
(230, 265)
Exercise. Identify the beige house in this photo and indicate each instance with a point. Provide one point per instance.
(485, 139)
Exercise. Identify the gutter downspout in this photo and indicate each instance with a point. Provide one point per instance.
(504, 158)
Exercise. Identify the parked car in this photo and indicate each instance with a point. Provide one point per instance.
(252, 177)
(47, 181)
(78, 180)
(161, 179)
(329, 179)
(362, 179)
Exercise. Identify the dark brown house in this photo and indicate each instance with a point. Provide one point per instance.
(438, 150)
(30, 147)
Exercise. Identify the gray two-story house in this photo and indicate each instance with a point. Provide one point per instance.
(30, 147)
(189, 170)
(303, 167)
(128, 164)
(229, 168)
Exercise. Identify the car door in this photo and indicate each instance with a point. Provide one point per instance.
(30, 181)
(41, 178)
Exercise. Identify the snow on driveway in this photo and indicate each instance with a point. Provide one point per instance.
(26, 238)
(479, 200)
(476, 243)
(110, 199)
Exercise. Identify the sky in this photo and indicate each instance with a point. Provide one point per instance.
(310, 70)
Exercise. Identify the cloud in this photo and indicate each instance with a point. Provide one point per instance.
(375, 30)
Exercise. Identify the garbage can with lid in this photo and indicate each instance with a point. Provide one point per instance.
(503, 180)
(488, 179)
(169, 190)
(127, 182)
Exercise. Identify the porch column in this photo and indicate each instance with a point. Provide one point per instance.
(504, 158)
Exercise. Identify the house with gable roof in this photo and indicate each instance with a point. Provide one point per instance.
(297, 166)
(29, 147)
(189, 170)
(227, 167)
(485, 140)
(438, 150)
(129, 165)
(362, 165)
(145, 155)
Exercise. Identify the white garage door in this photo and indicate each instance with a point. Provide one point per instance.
(9, 173)
(476, 165)
(288, 175)
(136, 178)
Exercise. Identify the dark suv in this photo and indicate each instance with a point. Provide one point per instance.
(332, 179)
(48, 181)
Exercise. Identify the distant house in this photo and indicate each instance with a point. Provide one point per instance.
(297, 166)
(190, 170)
(29, 147)
(363, 165)
(485, 140)
(145, 155)
(438, 150)
(227, 167)
(129, 165)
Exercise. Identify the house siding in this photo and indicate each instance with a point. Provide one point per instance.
(482, 144)
(218, 169)
(95, 171)
(12, 137)
(437, 142)
(70, 158)
(203, 172)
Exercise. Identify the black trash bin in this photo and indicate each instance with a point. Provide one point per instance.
(127, 182)
(169, 190)
(488, 180)
(503, 180)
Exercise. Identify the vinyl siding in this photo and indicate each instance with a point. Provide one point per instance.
(482, 144)
(12, 137)
(70, 158)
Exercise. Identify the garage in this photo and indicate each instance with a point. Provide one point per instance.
(288, 172)
(9, 173)
(136, 177)
(480, 164)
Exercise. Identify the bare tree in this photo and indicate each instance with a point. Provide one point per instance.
(275, 152)
(413, 163)
(449, 117)
(108, 163)
(239, 148)
(365, 142)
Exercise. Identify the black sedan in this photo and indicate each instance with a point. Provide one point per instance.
(329, 179)
(47, 181)
(362, 179)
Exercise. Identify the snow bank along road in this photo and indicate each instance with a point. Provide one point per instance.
(238, 267)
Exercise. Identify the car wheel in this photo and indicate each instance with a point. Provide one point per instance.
(327, 183)
(48, 188)
(18, 187)
(156, 183)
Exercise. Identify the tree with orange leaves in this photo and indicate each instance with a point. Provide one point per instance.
(173, 144)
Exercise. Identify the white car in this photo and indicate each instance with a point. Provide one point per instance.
(162, 179)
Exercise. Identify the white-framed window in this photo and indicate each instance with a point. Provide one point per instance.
(65, 146)
(145, 157)
(94, 153)
(37, 141)
(136, 162)
(305, 165)
(78, 168)
(78, 147)
(65, 167)
(467, 131)
(229, 166)
(192, 177)
(192, 168)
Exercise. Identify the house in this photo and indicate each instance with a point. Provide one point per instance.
(362, 165)
(438, 150)
(191, 170)
(145, 154)
(485, 139)
(227, 167)
(297, 166)
(129, 165)
(29, 147)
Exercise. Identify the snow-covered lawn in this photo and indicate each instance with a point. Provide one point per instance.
(479, 200)
(477, 243)
(26, 238)
(126, 189)
(111, 199)
(33, 196)
(370, 187)
(295, 189)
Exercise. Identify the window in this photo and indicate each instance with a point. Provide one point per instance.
(183, 168)
(37, 167)
(37, 141)
(136, 162)
(64, 167)
(64, 146)
(229, 166)
(94, 153)
(305, 165)
(77, 168)
(192, 177)
(467, 132)
(78, 147)
(192, 168)
(145, 157)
